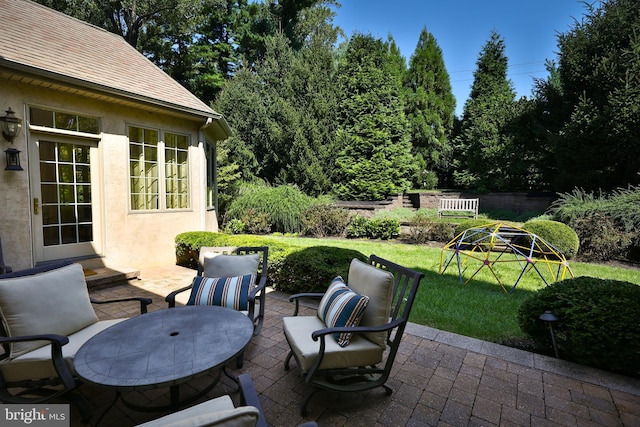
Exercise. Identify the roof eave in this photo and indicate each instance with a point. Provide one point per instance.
(222, 131)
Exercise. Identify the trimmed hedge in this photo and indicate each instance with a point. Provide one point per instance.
(312, 269)
(599, 322)
(559, 235)
(291, 268)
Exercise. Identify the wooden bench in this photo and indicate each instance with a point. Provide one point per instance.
(458, 207)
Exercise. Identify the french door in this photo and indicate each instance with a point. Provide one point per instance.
(65, 198)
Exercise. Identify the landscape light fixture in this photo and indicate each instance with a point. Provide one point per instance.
(549, 318)
(11, 126)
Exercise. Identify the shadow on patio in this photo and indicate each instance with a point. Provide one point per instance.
(438, 378)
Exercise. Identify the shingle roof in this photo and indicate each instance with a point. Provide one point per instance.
(39, 40)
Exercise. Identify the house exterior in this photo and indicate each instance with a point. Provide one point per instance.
(117, 158)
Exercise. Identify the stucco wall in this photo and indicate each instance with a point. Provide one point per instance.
(131, 239)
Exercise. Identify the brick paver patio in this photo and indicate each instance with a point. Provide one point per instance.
(439, 379)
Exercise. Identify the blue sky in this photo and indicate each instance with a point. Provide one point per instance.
(461, 28)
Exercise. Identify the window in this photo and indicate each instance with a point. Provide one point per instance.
(210, 154)
(143, 168)
(64, 121)
(176, 156)
(149, 157)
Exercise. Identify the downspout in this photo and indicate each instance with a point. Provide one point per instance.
(206, 124)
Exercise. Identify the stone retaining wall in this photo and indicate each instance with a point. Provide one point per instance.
(514, 202)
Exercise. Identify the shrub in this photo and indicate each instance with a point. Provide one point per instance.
(256, 222)
(357, 227)
(600, 239)
(188, 246)
(383, 228)
(234, 226)
(559, 235)
(312, 269)
(597, 324)
(424, 229)
(283, 205)
(323, 220)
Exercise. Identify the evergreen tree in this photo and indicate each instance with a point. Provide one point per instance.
(483, 150)
(599, 69)
(430, 107)
(374, 153)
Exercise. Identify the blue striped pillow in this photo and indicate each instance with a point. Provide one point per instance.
(231, 292)
(340, 306)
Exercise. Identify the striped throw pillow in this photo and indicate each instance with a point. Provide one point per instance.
(231, 292)
(340, 306)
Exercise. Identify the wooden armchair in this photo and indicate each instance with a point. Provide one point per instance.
(46, 316)
(332, 354)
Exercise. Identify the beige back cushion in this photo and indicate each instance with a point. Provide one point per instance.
(53, 302)
(220, 265)
(377, 284)
(214, 412)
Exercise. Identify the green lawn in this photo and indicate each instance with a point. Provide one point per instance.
(479, 309)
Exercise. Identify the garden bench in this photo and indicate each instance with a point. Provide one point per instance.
(458, 207)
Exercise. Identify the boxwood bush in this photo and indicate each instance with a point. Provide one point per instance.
(559, 235)
(599, 322)
(312, 269)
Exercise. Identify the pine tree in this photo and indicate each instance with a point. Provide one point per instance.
(374, 153)
(430, 107)
(483, 149)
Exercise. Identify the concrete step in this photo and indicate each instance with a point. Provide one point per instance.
(99, 276)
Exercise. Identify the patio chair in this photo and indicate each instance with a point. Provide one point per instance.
(227, 262)
(46, 316)
(332, 351)
(221, 411)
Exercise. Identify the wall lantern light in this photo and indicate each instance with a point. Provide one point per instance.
(11, 126)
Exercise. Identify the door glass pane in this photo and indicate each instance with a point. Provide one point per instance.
(66, 193)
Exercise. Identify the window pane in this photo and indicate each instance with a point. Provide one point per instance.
(85, 233)
(51, 236)
(84, 213)
(67, 214)
(68, 233)
(40, 117)
(49, 193)
(47, 152)
(47, 172)
(66, 121)
(50, 215)
(88, 124)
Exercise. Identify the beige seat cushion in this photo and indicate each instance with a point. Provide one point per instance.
(220, 265)
(359, 352)
(377, 284)
(214, 412)
(53, 302)
(37, 363)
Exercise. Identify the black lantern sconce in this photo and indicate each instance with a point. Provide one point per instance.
(11, 126)
(550, 319)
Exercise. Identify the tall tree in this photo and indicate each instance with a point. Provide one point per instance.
(483, 149)
(374, 154)
(599, 68)
(430, 107)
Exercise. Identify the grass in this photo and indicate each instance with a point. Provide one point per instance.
(479, 309)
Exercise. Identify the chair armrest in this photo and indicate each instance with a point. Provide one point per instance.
(262, 283)
(297, 297)
(356, 329)
(144, 302)
(171, 298)
(56, 341)
(249, 397)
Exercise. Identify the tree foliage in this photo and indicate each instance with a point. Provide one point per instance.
(373, 149)
(429, 107)
(599, 67)
(483, 148)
